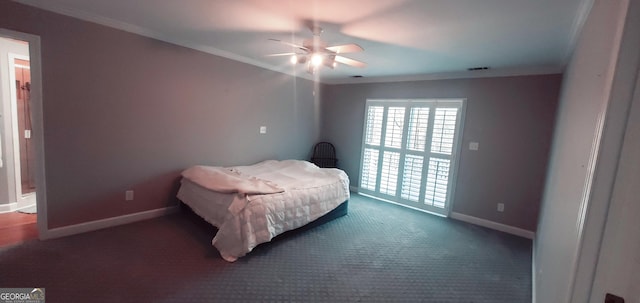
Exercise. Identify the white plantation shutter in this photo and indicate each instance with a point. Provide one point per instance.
(374, 125)
(369, 174)
(412, 178)
(389, 173)
(437, 181)
(395, 127)
(373, 136)
(409, 151)
(418, 125)
(444, 127)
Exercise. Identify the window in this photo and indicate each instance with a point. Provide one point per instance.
(409, 151)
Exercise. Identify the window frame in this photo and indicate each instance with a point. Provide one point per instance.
(427, 154)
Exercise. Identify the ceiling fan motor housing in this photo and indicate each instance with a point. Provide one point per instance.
(314, 52)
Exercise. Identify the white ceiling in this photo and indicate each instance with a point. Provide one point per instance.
(403, 39)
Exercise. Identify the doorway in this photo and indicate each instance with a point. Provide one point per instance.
(16, 127)
(22, 189)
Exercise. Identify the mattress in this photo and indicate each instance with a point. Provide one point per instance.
(295, 193)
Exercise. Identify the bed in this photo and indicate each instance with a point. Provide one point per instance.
(253, 204)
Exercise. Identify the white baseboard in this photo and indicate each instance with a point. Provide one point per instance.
(9, 207)
(494, 225)
(105, 223)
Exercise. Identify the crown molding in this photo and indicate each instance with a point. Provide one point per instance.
(491, 73)
(142, 31)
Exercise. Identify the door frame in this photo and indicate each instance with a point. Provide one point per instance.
(35, 62)
(617, 267)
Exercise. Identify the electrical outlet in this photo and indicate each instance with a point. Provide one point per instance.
(474, 145)
(128, 195)
(500, 207)
(263, 130)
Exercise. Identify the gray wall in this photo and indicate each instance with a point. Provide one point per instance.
(585, 153)
(511, 117)
(122, 111)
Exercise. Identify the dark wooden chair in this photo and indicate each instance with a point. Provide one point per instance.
(324, 155)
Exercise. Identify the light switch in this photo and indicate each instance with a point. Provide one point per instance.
(474, 145)
(263, 129)
(128, 195)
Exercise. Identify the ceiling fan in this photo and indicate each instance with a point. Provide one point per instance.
(314, 52)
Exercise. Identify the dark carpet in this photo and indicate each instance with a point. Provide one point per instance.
(379, 252)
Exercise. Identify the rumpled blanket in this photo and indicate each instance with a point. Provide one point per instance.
(227, 180)
(271, 197)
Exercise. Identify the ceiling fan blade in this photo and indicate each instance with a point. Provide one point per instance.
(280, 54)
(345, 48)
(291, 44)
(351, 62)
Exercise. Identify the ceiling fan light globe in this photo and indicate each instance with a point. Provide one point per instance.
(294, 59)
(316, 60)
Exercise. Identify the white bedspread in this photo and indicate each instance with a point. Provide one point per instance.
(225, 180)
(272, 197)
